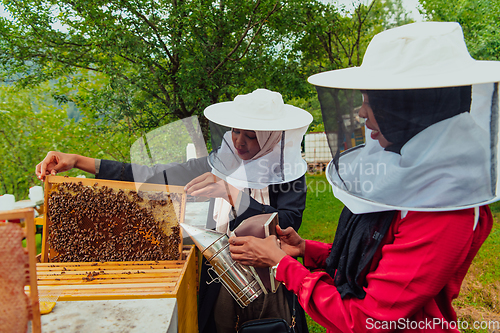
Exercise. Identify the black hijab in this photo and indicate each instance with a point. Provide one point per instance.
(400, 114)
(356, 240)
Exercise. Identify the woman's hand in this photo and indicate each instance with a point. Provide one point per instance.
(291, 242)
(257, 252)
(56, 162)
(209, 185)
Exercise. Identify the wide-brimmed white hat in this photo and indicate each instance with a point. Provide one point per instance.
(413, 56)
(261, 110)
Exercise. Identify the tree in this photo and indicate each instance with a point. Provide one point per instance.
(479, 21)
(330, 37)
(164, 59)
(334, 38)
(32, 123)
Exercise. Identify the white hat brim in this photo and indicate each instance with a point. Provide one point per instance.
(223, 114)
(469, 73)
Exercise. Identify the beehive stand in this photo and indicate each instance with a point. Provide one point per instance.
(114, 280)
(127, 280)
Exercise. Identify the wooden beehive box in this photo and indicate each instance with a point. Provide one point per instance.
(125, 271)
(79, 281)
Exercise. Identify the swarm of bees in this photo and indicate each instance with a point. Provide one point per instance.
(99, 223)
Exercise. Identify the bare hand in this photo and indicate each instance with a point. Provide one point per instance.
(209, 185)
(54, 163)
(291, 242)
(257, 252)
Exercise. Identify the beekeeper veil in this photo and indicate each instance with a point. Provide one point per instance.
(415, 127)
(256, 140)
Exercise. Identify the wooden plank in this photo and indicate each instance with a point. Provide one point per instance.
(117, 184)
(181, 220)
(109, 275)
(60, 274)
(17, 214)
(69, 293)
(106, 291)
(178, 280)
(131, 295)
(29, 218)
(75, 268)
(45, 251)
(82, 279)
(74, 278)
(118, 279)
(118, 263)
(186, 292)
(110, 264)
(116, 287)
(104, 274)
(102, 277)
(59, 282)
(113, 270)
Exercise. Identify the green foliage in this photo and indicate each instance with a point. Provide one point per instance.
(161, 61)
(479, 21)
(328, 37)
(164, 60)
(311, 104)
(27, 133)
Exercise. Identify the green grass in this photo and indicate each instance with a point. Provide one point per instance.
(488, 258)
(320, 222)
(322, 211)
(478, 299)
(38, 242)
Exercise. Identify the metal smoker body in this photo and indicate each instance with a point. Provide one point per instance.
(236, 278)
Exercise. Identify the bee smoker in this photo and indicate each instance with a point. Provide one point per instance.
(236, 278)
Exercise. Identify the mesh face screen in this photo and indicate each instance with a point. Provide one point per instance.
(14, 304)
(343, 126)
(100, 223)
(423, 148)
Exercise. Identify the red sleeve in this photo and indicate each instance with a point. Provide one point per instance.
(316, 254)
(426, 250)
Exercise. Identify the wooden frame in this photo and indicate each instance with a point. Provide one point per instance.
(128, 280)
(51, 181)
(28, 215)
(77, 281)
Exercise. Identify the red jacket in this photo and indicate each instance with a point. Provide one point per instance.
(414, 276)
